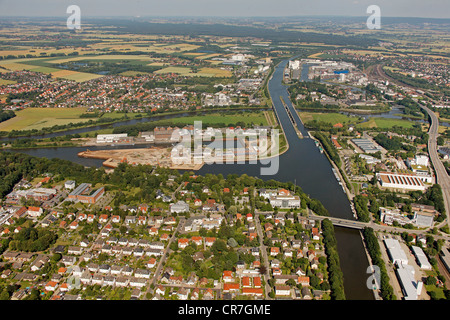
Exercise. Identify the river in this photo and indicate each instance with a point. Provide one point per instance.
(302, 164)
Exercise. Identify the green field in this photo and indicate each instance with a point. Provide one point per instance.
(6, 82)
(38, 118)
(331, 117)
(248, 118)
(386, 123)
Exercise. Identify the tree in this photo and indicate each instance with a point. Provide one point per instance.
(4, 295)
(430, 280)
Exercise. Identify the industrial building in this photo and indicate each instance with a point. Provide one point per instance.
(445, 258)
(83, 193)
(366, 145)
(421, 258)
(110, 138)
(396, 253)
(423, 218)
(405, 273)
(403, 181)
(410, 287)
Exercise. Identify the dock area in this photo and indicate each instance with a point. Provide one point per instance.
(155, 156)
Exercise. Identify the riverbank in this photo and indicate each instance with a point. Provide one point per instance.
(86, 126)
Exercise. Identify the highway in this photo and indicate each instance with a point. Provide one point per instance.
(441, 173)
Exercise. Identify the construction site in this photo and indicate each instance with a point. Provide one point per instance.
(154, 156)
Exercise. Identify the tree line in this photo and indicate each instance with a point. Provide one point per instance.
(335, 275)
(371, 241)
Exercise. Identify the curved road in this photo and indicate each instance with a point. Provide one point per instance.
(442, 177)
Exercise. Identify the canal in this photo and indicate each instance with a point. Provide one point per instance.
(303, 164)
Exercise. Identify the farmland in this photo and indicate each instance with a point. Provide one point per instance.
(38, 118)
(203, 72)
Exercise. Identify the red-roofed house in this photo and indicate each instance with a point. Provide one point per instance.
(246, 282)
(51, 286)
(304, 281)
(34, 211)
(257, 282)
(63, 287)
(143, 208)
(209, 241)
(229, 287)
(315, 233)
(153, 231)
(151, 263)
(183, 243)
(197, 240)
(164, 237)
(90, 218)
(227, 276)
(73, 225)
(274, 251)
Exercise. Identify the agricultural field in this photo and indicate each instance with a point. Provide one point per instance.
(6, 82)
(202, 72)
(38, 118)
(37, 65)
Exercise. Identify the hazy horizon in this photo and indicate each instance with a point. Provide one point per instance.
(226, 9)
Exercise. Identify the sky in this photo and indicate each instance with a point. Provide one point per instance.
(226, 8)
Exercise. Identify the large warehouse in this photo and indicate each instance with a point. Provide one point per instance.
(367, 146)
(395, 252)
(403, 181)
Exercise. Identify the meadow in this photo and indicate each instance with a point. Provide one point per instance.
(257, 118)
(331, 117)
(386, 123)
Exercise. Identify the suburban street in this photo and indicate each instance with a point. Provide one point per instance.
(262, 249)
(167, 248)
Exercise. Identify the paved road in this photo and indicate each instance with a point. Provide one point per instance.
(441, 173)
(263, 250)
(377, 227)
(159, 268)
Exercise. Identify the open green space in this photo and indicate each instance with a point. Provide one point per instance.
(6, 82)
(38, 118)
(331, 117)
(248, 118)
(386, 123)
